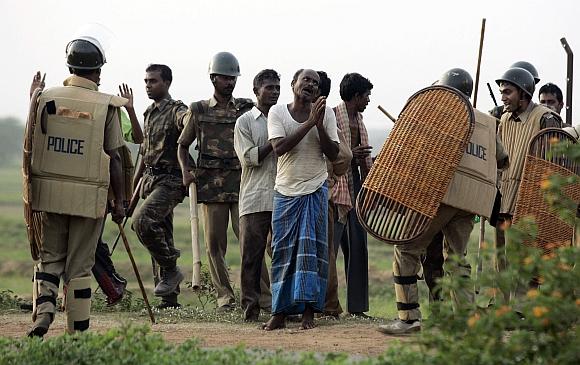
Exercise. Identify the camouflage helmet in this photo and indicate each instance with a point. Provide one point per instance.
(529, 67)
(520, 77)
(85, 53)
(224, 63)
(459, 79)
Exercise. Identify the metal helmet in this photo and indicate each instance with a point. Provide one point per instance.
(85, 53)
(224, 63)
(459, 79)
(520, 77)
(528, 66)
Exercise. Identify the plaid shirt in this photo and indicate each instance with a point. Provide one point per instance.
(343, 192)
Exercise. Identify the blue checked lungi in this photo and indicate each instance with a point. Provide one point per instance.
(299, 252)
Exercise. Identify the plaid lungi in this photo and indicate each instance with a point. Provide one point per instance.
(299, 252)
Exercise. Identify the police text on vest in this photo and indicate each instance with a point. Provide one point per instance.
(66, 145)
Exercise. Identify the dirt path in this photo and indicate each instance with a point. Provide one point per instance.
(354, 338)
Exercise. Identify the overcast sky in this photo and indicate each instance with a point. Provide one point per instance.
(401, 46)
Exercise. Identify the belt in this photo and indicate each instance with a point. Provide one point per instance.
(159, 170)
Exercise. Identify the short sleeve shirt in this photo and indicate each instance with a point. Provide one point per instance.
(302, 170)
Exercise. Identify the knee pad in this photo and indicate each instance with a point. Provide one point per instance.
(44, 292)
(406, 292)
(78, 304)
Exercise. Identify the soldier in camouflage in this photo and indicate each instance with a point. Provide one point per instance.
(161, 187)
(218, 169)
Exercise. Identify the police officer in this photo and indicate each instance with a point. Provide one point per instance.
(74, 158)
(499, 110)
(452, 218)
(551, 96)
(218, 169)
(522, 119)
(433, 259)
(161, 186)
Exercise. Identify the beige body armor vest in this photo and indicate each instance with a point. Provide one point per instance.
(70, 170)
(516, 137)
(473, 186)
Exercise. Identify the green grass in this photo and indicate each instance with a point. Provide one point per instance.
(16, 263)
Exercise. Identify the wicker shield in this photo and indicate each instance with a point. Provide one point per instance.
(32, 218)
(553, 231)
(412, 173)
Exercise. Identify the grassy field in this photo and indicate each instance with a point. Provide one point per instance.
(16, 263)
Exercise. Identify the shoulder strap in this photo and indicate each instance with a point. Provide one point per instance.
(243, 104)
(198, 107)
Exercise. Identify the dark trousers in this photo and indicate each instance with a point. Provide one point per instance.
(255, 228)
(433, 266)
(331, 304)
(102, 256)
(153, 224)
(352, 238)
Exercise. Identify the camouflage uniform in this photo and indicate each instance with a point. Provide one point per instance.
(162, 188)
(218, 176)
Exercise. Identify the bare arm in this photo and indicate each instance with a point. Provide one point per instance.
(329, 147)
(264, 151)
(116, 173)
(184, 163)
(188, 135)
(37, 82)
(285, 144)
(136, 131)
(138, 173)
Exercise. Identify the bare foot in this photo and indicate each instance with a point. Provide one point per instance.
(277, 321)
(308, 318)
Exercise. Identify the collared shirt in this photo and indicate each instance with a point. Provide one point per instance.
(258, 177)
(163, 124)
(113, 136)
(548, 120)
(79, 81)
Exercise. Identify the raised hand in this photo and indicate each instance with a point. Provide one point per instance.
(37, 82)
(126, 92)
(317, 112)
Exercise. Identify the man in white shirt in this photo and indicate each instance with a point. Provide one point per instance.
(256, 188)
(299, 217)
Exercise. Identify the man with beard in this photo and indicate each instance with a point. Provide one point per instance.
(499, 110)
(299, 217)
(355, 92)
(161, 186)
(521, 121)
(256, 189)
(217, 173)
